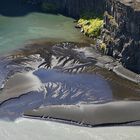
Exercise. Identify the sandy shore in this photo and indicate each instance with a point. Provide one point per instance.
(96, 114)
(29, 129)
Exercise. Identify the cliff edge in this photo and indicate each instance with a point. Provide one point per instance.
(121, 32)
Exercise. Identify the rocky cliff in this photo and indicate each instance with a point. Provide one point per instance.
(127, 14)
(121, 32)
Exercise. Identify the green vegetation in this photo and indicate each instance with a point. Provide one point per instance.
(90, 24)
(91, 27)
(102, 47)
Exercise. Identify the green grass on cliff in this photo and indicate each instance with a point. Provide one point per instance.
(90, 23)
(91, 27)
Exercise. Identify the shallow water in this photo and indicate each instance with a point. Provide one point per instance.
(15, 32)
(60, 89)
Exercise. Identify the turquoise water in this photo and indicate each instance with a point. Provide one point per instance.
(16, 31)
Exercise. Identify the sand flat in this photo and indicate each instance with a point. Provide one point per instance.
(92, 114)
(30, 129)
(19, 84)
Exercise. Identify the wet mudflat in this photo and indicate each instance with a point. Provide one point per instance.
(55, 74)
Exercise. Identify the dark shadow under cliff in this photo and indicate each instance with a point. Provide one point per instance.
(13, 8)
(72, 8)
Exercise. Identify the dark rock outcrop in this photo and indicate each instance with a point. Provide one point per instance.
(121, 31)
(127, 14)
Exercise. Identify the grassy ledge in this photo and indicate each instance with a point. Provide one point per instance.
(90, 24)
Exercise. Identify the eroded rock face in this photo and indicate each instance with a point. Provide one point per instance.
(127, 14)
(121, 31)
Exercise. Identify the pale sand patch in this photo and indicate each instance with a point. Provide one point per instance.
(29, 129)
(19, 84)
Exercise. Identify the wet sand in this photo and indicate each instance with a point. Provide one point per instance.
(96, 114)
(20, 84)
(121, 88)
(93, 85)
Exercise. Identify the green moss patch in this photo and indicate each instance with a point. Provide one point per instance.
(90, 23)
(90, 27)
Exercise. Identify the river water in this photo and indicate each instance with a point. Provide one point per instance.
(15, 31)
(19, 23)
(22, 25)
